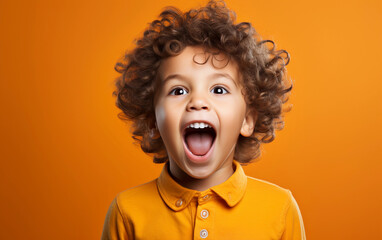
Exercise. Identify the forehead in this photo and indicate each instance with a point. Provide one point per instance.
(195, 61)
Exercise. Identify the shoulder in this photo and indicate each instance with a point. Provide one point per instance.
(137, 193)
(125, 208)
(138, 197)
(139, 201)
(255, 184)
(276, 204)
(267, 191)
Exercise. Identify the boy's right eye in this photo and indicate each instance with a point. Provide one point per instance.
(178, 91)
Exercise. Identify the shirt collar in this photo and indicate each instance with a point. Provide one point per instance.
(178, 197)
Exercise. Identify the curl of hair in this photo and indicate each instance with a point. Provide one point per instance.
(265, 86)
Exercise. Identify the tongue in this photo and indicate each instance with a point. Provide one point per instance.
(199, 143)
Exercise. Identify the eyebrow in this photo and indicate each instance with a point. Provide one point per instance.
(213, 76)
(172, 76)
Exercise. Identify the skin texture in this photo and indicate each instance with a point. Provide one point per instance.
(203, 93)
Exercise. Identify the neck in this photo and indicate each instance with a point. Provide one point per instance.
(216, 178)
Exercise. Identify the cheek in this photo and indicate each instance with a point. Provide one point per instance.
(234, 105)
(232, 114)
(161, 120)
(160, 116)
(166, 119)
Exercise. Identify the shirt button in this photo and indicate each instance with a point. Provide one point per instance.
(204, 233)
(204, 213)
(179, 203)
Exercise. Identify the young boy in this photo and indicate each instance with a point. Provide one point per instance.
(203, 93)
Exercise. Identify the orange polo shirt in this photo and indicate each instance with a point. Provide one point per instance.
(240, 208)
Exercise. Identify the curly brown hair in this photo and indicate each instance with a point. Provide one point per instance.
(213, 27)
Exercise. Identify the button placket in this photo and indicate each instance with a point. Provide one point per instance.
(203, 233)
(204, 213)
(204, 222)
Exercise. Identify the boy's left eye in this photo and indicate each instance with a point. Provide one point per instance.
(219, 90)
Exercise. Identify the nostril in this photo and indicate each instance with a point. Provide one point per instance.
(199, 108)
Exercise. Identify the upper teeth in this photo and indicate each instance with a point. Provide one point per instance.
(198, 125)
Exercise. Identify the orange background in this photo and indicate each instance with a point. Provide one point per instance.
(65, 154)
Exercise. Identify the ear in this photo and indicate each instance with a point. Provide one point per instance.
(154, 132)
(248, 125)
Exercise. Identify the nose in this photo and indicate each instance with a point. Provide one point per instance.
(197, 103)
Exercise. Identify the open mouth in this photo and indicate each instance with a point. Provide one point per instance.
(199, 138)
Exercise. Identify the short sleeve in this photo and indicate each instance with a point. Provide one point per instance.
(115, 226)
(294, 226)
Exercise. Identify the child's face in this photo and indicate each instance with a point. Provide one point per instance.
(192, 93)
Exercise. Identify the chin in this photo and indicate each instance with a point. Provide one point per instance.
(199, 171)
